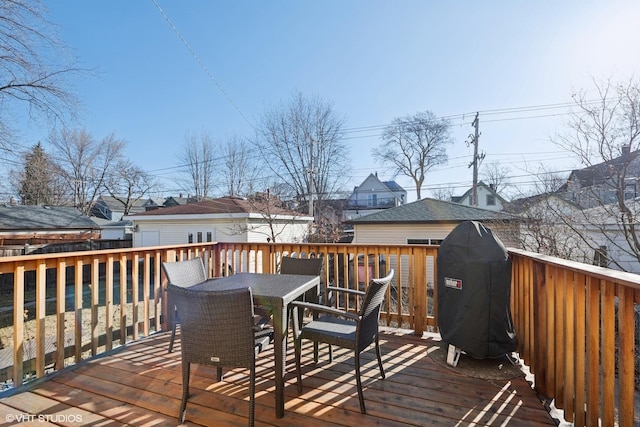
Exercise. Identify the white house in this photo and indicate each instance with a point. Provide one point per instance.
(373, 195)
(488, 198)
(227, 219)
(606, 242)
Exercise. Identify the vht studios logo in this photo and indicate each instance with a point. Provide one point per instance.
(453, 283)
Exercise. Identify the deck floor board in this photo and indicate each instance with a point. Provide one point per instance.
(140, 384)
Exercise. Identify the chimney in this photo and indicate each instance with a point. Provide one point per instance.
(626, 149)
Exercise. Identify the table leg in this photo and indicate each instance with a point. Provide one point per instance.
(280, 342)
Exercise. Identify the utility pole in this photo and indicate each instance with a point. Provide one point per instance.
(311, 189)
(476, 159)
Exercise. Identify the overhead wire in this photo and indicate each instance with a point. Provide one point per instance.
(202, 65)
(372, 131)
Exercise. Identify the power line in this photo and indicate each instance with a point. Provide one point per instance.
(202, 65)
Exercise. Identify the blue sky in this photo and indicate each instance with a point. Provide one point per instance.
(375, 60)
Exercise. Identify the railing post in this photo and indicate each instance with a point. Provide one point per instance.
(268, 258)
(420, 290)
(540, 327)
(167, 314)
(41, 314)
(18, 322)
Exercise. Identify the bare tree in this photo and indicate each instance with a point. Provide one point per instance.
(301, 144)
(128, 183)
(239, 169)
(85, 163)
(33, 67)
(199, 158)
(443, 193)
(604, 135)
(413, 145)
(496, 175)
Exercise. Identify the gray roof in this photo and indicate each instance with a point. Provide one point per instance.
(600, 173)
(432, 210)
(102, 223)
(20, 217)
(393, 186)
(518, 206)
(116, 205)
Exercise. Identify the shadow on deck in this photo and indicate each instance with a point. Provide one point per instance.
(140, 384)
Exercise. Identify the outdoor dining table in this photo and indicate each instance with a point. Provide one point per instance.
(274, 291)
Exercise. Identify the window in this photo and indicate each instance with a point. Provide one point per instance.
(435, 242)
(372, 200)
(209, 236)
(491, 200)
(417, 241)
(190, 238)
(199, 236)
(600, 257)
(629, 191)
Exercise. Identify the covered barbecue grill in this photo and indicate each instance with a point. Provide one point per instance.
(474, 287)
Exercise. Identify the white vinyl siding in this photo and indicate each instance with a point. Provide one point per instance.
(176, 231)
(399, 233)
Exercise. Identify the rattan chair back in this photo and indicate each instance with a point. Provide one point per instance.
(307, 266)
(185, 273)
(217, 328)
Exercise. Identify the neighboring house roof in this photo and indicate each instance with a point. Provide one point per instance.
(599, 173)
(21, 217)
(432, 210)
(224, 205)
(174, 201)
(107, 223)
(393, 186)
(520, 205)
(154, 202)
(112, 204)
(468, 193)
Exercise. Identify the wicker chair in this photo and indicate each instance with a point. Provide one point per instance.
(217, 328)
(307, 266)
(184, 274)
(355, 331)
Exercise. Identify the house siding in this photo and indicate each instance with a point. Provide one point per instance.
(483, 192)
(177, 232)
(399, 233)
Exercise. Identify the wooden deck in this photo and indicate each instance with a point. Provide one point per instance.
(140, 384)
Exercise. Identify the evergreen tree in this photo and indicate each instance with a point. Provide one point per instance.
(36, 183)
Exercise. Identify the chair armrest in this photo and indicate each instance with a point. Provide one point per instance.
(346, 290)
(324, 309)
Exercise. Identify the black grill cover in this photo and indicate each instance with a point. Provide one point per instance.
(474, 288)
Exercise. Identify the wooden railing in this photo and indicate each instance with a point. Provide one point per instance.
(578, 332)
(574, 322)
